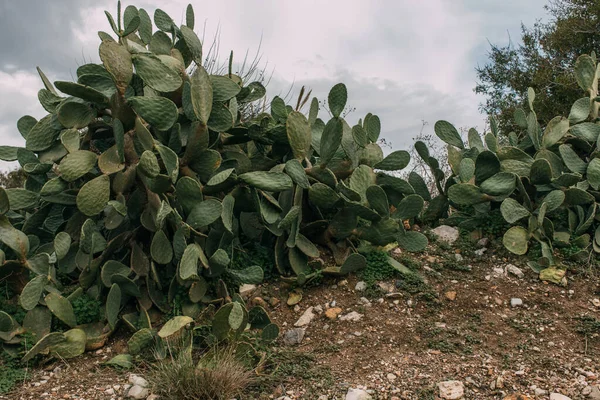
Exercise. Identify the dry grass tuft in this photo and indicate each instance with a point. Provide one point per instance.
(217, 375)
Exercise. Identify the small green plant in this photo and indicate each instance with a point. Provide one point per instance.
(377, 269)
(86, 309)
(11, 373)
(588, 326)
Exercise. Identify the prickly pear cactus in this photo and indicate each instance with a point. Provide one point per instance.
(145, 174)
(544, 180)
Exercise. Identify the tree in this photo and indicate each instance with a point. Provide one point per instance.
(543, 61)
(12, 179)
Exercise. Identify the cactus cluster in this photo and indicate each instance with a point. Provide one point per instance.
(144, 175)
(544, 180)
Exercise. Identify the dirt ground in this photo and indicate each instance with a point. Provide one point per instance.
(460, 326)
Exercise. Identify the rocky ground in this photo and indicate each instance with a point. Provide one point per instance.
(483, 326)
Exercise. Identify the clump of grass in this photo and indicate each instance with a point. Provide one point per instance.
(215, 375)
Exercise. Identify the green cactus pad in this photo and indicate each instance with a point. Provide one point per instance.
(161, 249)
(251, 275)
(139, 341)
(296, 171)
(72, 114)
(322, 195)
(31, 293)
(43, 134)
(448, 133)
(204, 213)
(21, 199)
(299, 134)
(588, 131)
(72, 346)
(113, 305)
(353, 263)
(42, 345)
(486, 166)
(593, 173)
(409, 207)
(516, 240)
(412, 241)
(394, 161)
(77, 164)
(174, 326)
(306, 246)
(94, 195)
(156, 74)
(585, 72)
(61, 308)
(466, 194)
(513, 211)
(338, 96)
(571, 159)
(501, 184)
(541, 172)
(577, 197)
(193, 43)
(331, 139)
(555, 130)
(268, 181)
(223, 88)
(83, 92)
(580, 111)
(159, 112)
(378, 200)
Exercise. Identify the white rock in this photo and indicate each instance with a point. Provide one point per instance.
(306, 318)
(323, 397)
(558, 396)
(247, 289)
(352, 316)
(358, 394)
(451, 390)
(110, 391)
(594, 393)
(318, 309)
(516, 302)
(446, 233)
(138, 380)
(391, 377)
(497, 272)
(483, 242)
(516, 271)
(293, 336)
(540, 392)
(458, 257)
(138, 392)
(360, 286)
(153, 397)
(480, 252)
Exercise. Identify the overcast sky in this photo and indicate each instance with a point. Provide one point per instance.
(405, 60)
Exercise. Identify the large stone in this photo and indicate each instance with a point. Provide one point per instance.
(558, 396)
(594, 393)
(516, 271)
(358, 394)
(293, 337)
(246, 289)
(352, 316)
(138, 380)
(138, 392)
(306, 318)
(446, 233)
(451, 390)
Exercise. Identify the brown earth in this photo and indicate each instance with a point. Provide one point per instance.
(460, 326)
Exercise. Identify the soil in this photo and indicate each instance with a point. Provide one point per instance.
(460, 326)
